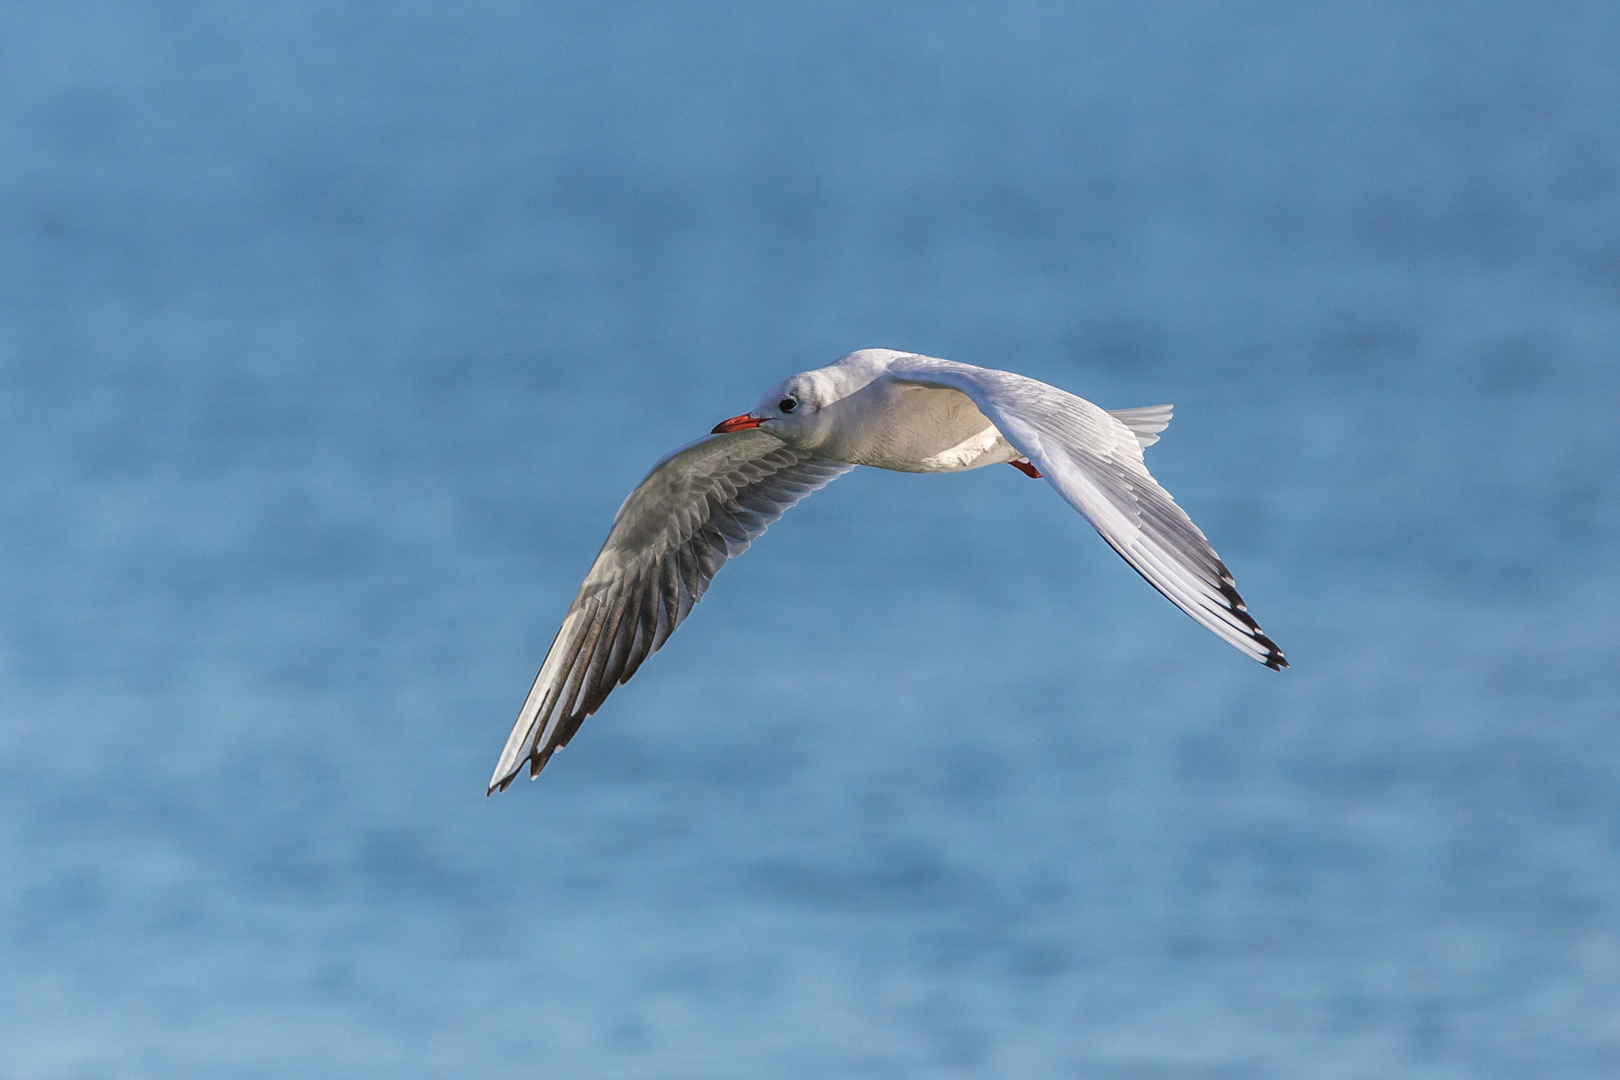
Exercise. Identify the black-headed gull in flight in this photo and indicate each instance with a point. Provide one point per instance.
(707, 501)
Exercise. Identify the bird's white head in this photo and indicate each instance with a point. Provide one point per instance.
(805, 409)
(793, 410)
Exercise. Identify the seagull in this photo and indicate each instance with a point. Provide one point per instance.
(706, 502)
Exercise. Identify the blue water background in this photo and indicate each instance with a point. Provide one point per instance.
(332, 335)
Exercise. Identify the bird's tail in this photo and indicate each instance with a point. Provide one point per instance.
(1145, 423)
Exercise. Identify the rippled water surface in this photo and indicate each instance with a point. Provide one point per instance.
(332, 335)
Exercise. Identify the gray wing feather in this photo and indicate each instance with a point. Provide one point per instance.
(1094, 460)
(698, 507)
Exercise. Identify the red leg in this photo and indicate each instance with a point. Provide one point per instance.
(1027, 469)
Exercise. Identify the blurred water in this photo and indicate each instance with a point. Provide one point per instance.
(331, 336)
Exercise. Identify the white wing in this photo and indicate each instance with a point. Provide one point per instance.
(698, 507)
(1094, 459)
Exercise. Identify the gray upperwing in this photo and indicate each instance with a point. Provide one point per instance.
(1094, 460)
(701, 505)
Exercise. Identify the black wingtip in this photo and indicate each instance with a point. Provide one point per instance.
(1274, 657)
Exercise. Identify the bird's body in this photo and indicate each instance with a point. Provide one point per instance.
(889, 410)
(896, 424)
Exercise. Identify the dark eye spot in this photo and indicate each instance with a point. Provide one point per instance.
(787, 404)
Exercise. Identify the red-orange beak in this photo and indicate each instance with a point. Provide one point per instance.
(737, 423)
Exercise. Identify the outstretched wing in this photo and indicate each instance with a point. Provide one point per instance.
(698, 507)
(1094, 459)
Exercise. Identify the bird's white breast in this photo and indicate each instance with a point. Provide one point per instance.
(895, 425)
